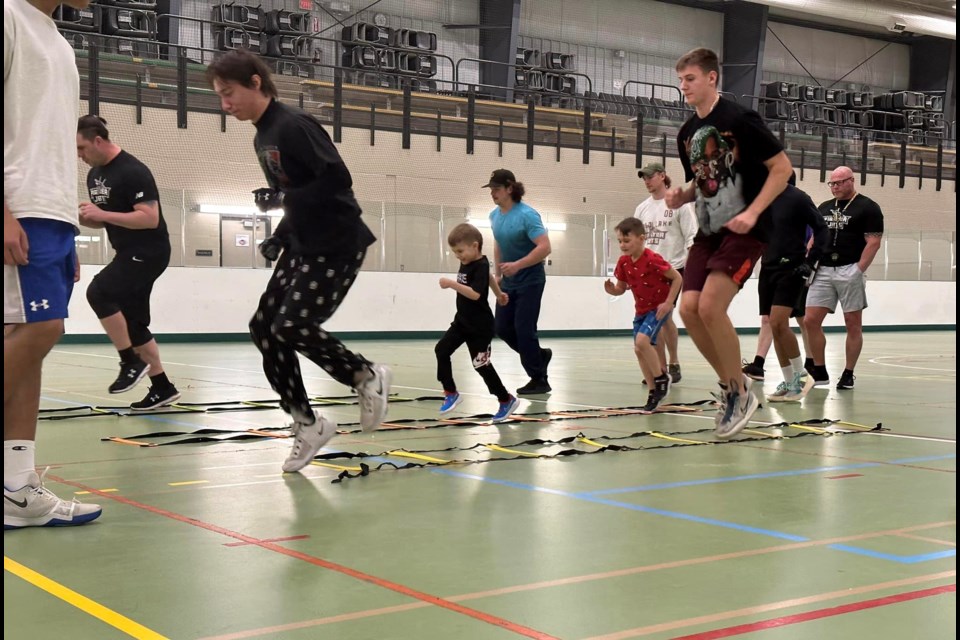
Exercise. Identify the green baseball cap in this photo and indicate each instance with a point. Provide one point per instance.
(650, 169)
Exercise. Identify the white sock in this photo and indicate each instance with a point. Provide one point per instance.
(787, 372)
(18, 463)
(797, 364)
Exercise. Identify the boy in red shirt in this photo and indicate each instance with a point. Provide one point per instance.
(655, 285)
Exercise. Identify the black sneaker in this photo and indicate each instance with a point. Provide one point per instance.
(156, 398)
(534, 388)
(820, 376)
(753, 371)
(674, 371)
(661, 385)
(653, 401)
(808, 366)
(130, 374)
(846, 379)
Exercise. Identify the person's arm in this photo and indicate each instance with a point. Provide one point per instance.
(689, 225)
(496, 261)
(499, 294)
(869, 251)
(308, 146)
(679, 196)
(16, 248)
(145, 215)
(462, 289)
(537, 255)
(676, 280)
(617, 288)
(821, 233)
(779, 170)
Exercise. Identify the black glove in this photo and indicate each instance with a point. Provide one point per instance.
(271, 248)
(267, 198)
(806, 271)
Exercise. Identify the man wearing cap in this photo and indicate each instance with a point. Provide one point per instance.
(670, 233)
(521, 245)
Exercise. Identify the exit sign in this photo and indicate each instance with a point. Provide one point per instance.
(306, 5)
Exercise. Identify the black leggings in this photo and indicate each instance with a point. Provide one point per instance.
(304, 292)
(479, 347)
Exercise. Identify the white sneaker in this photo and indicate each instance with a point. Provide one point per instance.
(780, 395)
(36, 506)
(374, 393)
(799, 388)
(308, 439)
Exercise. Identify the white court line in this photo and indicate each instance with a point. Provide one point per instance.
(903, 366)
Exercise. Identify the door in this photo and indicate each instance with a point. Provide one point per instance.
(240, 238)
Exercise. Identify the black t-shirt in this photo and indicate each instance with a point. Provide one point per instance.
(790, 215)
(849, 221)
(724, 153)
(117, 187)
(475, 315)
(321, 215)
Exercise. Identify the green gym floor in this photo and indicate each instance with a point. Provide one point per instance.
(814, 530)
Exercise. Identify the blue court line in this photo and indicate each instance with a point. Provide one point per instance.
(780, 535)
(760, 476)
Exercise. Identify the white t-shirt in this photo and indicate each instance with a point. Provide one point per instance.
(669, 233)
(41, 97)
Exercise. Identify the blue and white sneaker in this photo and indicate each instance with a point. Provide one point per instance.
(33, 505)
(450, 402)
(506, 408)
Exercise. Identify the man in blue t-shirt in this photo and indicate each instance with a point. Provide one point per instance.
(520, 248)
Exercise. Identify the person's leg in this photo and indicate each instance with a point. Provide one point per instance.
(852, 292)
(715, 299)
(647, 358)
(444, 349)
(479, 347)
(525, 323)
(813, 321)
(853, 320)
(505, 322)
(35, 301)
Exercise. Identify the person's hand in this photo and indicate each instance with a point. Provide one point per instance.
(267, 199)
(806, 271)
(447, 283)
(509, 269)
(271, 248)
(610, 287)
(742, 222)
(674, 198)
(664, 310)
(76, 267)
(503, 299)
(90, 212)
(15, 245)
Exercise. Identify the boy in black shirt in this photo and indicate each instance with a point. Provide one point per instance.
(323, 241)
(738, 168)
(124, 200)
(856, 229)
(474, 323)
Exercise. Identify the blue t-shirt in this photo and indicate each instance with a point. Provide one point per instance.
(515, 232)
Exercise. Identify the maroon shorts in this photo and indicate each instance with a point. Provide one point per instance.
(731, 253)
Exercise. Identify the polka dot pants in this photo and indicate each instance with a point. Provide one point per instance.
(303, 293)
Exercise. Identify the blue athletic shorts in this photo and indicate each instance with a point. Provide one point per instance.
(41, 290)
(648, 325)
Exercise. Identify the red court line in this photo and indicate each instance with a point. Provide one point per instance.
(819, 613)
(320, 562)
(845, 476)
(287, 539)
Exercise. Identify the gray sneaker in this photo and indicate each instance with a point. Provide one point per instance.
(740, 407)
(374, 392)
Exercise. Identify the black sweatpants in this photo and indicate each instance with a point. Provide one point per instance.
(304, 292)
(479, 347)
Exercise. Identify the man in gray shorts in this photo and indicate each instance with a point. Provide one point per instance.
(856, 227)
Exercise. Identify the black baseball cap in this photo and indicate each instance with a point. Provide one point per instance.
(500, 178)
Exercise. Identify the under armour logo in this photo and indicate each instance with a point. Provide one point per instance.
(36, 306)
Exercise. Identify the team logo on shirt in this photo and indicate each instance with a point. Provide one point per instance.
(270, 161)
(838, 220)
(719, 189)
(99, 192)
(656, 231)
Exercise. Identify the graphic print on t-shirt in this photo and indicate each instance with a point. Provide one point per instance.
(719, 189)
(270, 162)
(99, 192)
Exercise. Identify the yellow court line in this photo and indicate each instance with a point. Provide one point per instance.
(185, 483)
(87, 493)
(85, 604)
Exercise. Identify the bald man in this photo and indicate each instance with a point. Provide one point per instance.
(856, 228)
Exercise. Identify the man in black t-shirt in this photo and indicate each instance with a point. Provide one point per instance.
(474, 322)
(323, 241)
(124, 200)
(856, 229)
(737, 168)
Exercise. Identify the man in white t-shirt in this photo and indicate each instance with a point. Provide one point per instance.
(41, 97)
(669, 233)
